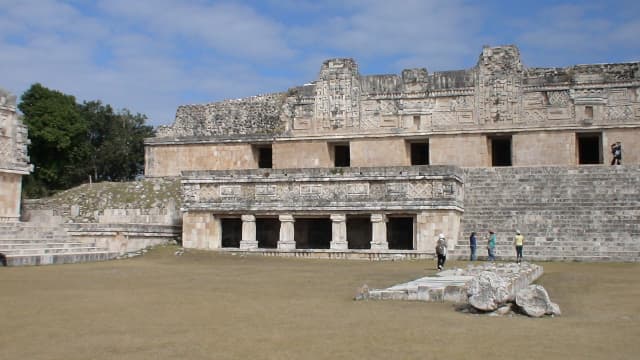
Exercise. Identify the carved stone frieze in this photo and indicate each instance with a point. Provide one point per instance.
(498, 93)
(328, 193)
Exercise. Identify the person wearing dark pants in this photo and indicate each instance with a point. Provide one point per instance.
(473, 245)
(616, 151)
(441, 251)
(519, 243)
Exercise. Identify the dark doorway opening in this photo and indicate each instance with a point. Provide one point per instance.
(589, 146)
(400, 233)
(359, 232)
(265, 157)
(231, 232)
(267, 232)
(341, 155)
(419, 153)
(501, 151)
(312, 233)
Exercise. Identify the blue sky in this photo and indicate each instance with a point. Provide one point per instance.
(152, 55)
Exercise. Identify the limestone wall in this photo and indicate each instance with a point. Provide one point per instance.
(10, 190)
(544, 148)
(463, 150)
(381, 152)
(499, 96)
(565, 213)
(170, 160)
(14, 161)
(300, 155)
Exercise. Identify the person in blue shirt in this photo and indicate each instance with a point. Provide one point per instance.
(473, 244)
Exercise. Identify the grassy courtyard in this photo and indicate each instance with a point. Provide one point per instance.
(204, 305)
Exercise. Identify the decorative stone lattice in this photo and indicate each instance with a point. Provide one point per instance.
(559, 98)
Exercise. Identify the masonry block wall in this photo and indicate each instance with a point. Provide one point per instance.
(565, 213)
(14, 161)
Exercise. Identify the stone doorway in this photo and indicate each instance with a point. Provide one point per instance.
(312, 233)
(359, 232)
(267, 232)
(231, 232)
(400, 233)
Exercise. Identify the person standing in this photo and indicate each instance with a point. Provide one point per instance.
(519, 243)
(473, 244)
(491, 247)
(441, 251)
(616, 151)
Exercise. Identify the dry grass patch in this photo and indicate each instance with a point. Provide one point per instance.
(205, 305)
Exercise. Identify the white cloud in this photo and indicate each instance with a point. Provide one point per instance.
(152, 56)
(568, 34)
(233, 29)
(417, 33)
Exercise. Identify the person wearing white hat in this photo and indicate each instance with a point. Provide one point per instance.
(441, 251)
(519, 243)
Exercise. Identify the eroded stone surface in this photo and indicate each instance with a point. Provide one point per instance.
(455, 285)
(488, 291)
(535, 302)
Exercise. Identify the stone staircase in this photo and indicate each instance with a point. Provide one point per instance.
(31, 244)
(584, 213)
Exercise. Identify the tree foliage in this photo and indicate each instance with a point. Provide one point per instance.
(72, 142)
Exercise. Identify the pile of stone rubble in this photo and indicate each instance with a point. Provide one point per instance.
(491, 288)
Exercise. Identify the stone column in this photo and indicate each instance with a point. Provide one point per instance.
(339, 232)
(287, 241)
(423, 233)
(248, 240)
(379, 232)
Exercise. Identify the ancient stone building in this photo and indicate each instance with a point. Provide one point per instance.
(14, 162)
(356, 163)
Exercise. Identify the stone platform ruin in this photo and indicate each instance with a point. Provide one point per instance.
(453, 285)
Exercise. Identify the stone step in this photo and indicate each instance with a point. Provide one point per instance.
(67, 258)
(59, 250)
(34, 240)
(31, 245)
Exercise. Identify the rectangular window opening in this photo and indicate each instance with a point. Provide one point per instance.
(265, 156)
(341, 155)
(419, 153)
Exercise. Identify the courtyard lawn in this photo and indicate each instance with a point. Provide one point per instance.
(206, 305)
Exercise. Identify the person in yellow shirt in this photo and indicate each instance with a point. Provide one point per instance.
(519, 243)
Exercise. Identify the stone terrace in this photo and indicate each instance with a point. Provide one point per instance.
(28, 244)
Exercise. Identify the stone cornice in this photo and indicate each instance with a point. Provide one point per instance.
(405, 134)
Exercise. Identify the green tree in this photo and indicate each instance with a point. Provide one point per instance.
(59, 144)
(117, 141)
(72, 142)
